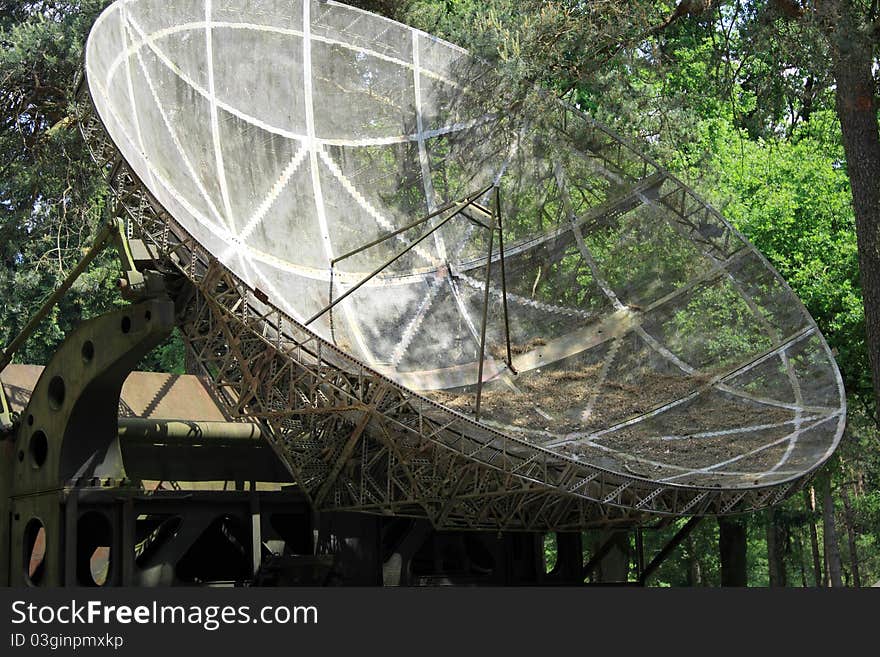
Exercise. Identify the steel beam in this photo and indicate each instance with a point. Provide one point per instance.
(673, 543)
(148, 431)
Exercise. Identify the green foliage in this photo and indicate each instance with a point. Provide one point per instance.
(738, 97)
(168, 357)
(696, 562)
(550, 551)
(791, 198)
(51, 194)
(719, 312)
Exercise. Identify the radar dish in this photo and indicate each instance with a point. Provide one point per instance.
(438, 309)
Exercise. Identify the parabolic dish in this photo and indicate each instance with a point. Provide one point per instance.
(652, 346)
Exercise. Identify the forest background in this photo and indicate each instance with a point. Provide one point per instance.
(768, 107)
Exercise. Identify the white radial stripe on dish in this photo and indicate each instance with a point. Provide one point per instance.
(130, 87)
(179, 146)
(380, 219)
(196, 214)
(267, 203)
(427, 183)
(215, 127)
(314, 160)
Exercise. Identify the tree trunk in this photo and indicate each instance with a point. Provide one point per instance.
(826, 582)
(851, 537)
(802, 558)
(853, 51)
(614, 567)
(775, 556)
(695, 572)
(832, 551)
(810, 502)
(732, 550)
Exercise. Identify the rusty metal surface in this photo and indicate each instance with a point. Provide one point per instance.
(190, 445)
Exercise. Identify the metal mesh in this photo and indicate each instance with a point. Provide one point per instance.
(648, 337)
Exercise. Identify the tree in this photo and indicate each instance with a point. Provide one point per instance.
(52, 195)
(853, 30)
(776, 540)
(833, 570)
(49, 191)
(732, 545)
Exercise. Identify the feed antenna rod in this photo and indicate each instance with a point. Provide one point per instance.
(497, 224)
(456, 210)
(503, 276)
(664, 553)
(468, 200)
(483, 325)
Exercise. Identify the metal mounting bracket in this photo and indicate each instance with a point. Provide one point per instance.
(68, 435)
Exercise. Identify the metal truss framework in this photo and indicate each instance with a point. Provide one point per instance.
(355, 440)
